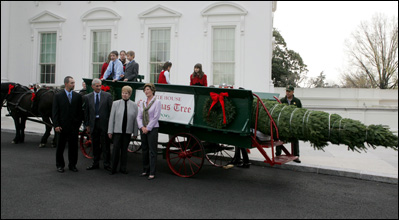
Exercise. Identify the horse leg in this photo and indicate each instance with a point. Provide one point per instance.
(23, 124)
(17, 129)
(43, 142)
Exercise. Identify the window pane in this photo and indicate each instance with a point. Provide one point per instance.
(159, 51)
(223, 55)
(48, 47)
(100, 50)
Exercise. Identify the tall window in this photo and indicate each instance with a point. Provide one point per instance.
(48, 45)
(159, 51)
(223, 55)
(101, 50)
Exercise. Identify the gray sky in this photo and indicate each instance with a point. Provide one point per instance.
(318, 30)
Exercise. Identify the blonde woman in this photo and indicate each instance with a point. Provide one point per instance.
(122, 123)
(147, 119)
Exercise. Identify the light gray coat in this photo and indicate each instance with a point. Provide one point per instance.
(116, 117)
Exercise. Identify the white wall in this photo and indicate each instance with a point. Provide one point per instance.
(191, 44)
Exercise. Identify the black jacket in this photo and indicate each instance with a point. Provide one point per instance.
(67, 115)
(105, 106)
(294, 101)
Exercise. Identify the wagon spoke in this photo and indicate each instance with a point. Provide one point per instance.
(188, 143)
(193, 163)
(176, 163)
(174, 144)
(174, 157)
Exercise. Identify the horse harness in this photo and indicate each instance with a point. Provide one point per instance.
(28, 91)
(12, 92)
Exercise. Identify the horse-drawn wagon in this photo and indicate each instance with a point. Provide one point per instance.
(195, 130)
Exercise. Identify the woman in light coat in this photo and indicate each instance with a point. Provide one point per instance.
(147, 120)
(122, 123)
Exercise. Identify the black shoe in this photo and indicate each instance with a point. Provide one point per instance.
(123, 171)
(234, 162)
(112, 172)
(108, 168)
(143, 174)
(60, 169)
(244, 165)
(297, 160)
(92, 167)
(74, 169)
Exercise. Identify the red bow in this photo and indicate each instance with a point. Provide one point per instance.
(105, 88)
(219, 97)
(33, 96)
(10, 87)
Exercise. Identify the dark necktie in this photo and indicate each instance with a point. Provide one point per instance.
(70, 97)
(97, 105)
(112, 72)
(124, 122)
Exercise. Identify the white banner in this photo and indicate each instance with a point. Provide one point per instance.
(176, 107)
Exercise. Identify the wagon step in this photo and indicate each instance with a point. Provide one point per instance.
(282, 159)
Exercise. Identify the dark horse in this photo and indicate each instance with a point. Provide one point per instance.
(20, 105)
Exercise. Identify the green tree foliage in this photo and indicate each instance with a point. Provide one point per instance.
(288, 67)
(320, 127)
(373, 50)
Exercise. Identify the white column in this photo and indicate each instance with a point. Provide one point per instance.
(5, 36)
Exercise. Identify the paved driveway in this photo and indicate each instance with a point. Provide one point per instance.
(32, 188)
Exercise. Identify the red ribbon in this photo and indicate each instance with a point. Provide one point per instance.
(33, 96)
(219, 97)
(105, 88)
(10, 87)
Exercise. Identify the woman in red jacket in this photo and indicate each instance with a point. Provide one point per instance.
(198, 78)
(105, 66)
(164, 76)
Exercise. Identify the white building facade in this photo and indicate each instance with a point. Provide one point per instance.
(44, 41)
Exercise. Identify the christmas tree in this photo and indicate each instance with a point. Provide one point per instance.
(320, 127)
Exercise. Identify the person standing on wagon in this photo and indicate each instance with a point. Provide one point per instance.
(147, 120)
(115, 68)
(198, 78)
(164, 76)
(122, 123)
(132, 68)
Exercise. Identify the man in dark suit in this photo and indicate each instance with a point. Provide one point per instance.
(67, 117)
(132, 68)
(98, 106)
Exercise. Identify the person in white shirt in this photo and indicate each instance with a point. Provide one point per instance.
(115, 68)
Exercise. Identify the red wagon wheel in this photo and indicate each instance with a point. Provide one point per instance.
(85, 145)
(220, 155)
(185, 155)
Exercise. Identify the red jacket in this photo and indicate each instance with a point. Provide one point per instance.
(103, 69)
(196, 81)
(162, 78)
